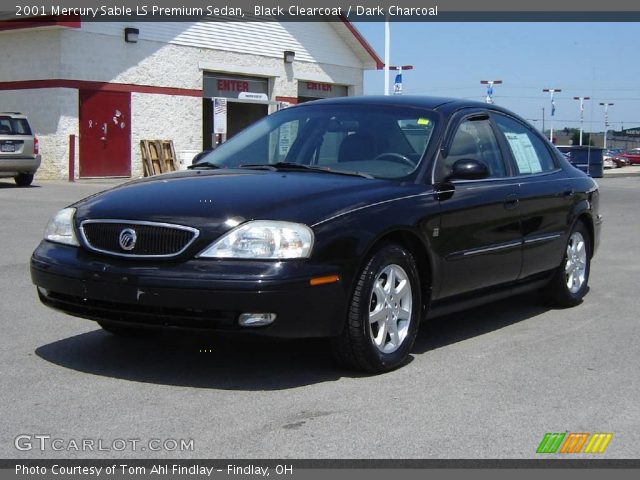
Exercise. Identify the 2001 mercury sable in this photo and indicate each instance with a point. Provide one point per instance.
(352, 219)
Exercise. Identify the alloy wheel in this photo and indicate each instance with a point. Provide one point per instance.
(390, 308)
(575, 269)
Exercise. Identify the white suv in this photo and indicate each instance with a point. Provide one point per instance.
(19, 155)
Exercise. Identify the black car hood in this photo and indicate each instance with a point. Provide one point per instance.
(206, 199)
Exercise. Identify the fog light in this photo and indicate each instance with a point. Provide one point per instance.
(256, 319)
(43, 291)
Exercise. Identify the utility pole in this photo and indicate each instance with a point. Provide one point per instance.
(543, 120)
(490, 84)
(553, 109)
(606, 120)
(582, 99)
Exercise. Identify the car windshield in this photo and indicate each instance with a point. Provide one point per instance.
(371, 140)
(14, 126)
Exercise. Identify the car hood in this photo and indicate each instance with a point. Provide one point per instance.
(206, 199)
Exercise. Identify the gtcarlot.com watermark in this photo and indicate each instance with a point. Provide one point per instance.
(47, 443)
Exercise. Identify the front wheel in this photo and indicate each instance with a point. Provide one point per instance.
(569, 284)
(384, 313)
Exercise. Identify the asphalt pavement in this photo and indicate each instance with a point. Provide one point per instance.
(485, 383)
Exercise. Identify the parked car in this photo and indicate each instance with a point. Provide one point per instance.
(19, 155)
(607, 162)
(620, 162)
(633, 156)
(352, 219)
(612, 158)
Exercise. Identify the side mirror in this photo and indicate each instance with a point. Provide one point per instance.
(468, 169)
(199, 155)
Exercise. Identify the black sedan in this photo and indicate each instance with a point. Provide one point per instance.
(353, 219)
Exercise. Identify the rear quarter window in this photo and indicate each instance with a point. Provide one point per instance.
(528, 151)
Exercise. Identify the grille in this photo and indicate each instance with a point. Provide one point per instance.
(142, 315)
(151, 239)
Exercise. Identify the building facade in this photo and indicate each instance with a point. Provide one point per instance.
(93, 90)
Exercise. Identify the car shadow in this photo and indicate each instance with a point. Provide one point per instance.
(197, 360)
(13, 185)
(457, 327)
(232, 363)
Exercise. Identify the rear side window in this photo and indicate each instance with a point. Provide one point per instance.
(528, 151)
(14, 126)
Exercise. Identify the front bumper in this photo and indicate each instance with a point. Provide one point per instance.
(195, 294)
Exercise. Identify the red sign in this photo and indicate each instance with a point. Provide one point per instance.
(323, 87)
(233, 85)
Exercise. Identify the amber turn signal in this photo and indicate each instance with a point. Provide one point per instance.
(324, 280)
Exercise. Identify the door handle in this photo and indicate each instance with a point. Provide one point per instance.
(511, 202)
(443, 191)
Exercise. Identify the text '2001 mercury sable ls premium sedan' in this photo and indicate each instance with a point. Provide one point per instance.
(352, 219)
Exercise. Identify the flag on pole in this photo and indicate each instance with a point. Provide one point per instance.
(553, 105)
(219, 115)
(397, 84)
(489, 98)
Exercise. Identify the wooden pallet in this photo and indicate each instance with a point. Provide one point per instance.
(158, 156)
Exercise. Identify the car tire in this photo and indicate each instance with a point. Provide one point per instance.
(120, 330)
(23, 179)
(570, 282)
(384, 313)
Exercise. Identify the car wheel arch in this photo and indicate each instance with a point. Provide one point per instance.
(412, 242)
(587, 220)
(582, 213)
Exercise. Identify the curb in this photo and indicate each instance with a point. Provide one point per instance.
(628, 171)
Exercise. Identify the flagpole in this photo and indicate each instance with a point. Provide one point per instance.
(582, 99)
(606, 120)
(387, 43)
(553, 114)
(553, 109)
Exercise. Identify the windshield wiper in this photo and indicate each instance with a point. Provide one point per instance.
(259, 166)
(289, 166)
(204, 165)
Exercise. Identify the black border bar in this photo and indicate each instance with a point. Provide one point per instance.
(543, 463)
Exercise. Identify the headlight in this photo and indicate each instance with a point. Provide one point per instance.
(263, 239)
(60, 228)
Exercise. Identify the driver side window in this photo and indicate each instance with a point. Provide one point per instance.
(474, 140)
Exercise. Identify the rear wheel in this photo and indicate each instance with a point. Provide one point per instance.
(569, 284)
(24, 179)
(384, 313)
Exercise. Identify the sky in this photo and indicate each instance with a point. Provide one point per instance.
(598, 60)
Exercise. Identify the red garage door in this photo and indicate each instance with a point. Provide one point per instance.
(105, 134)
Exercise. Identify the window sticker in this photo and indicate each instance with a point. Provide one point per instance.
(524, 152)
(285, 139)
(423, 121)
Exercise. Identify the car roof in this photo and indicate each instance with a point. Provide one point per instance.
(443, 104)
(13, 114)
